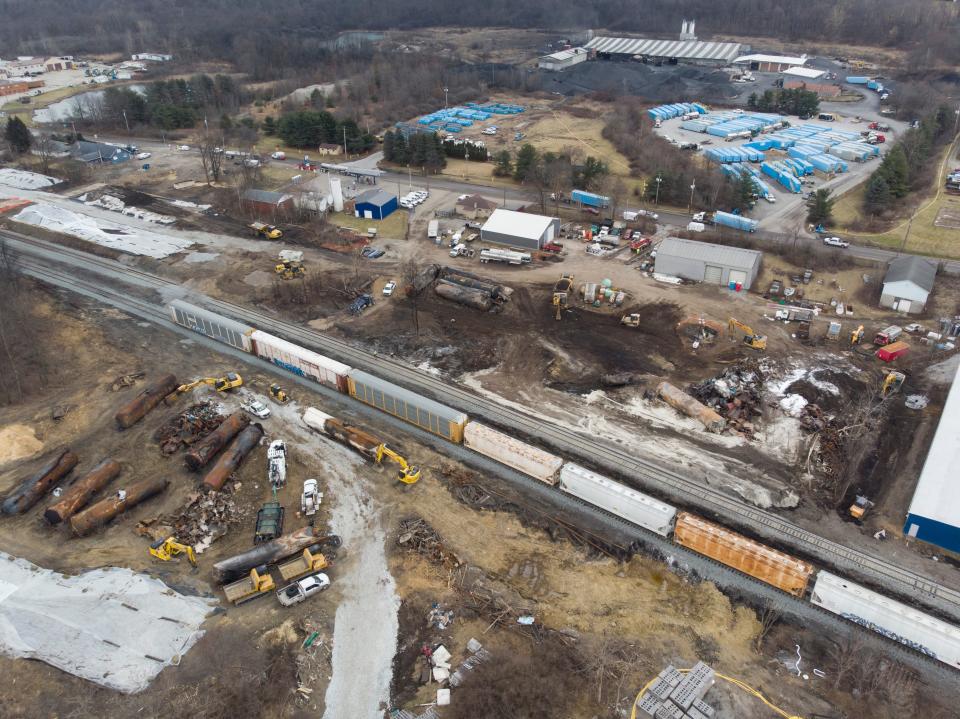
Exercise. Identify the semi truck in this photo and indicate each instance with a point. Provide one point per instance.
(727, 219)
(589, 199)
(508, 256)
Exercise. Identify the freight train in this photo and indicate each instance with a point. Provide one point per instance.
(895, 620)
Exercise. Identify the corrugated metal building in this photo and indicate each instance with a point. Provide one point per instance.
(908, 283)
(374, 204)
(268, 204)
(559, 61)
(519, 229)
(934, 513)
(709, 263)
(696, 51)
(771, 63)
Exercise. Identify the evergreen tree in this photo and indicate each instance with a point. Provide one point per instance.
(820, 207)
(401, 153)
(527, 161)
(389, 148)
(896, 171)
(269, 126)
(878, 195)
(752, 101)
(743, 192)
(504, 166)
(17, 135)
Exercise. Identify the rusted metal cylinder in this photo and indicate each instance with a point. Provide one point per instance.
(96, 515)
(137, 408)
(232, 457)
(80, 492)
(30, 490)
(204, 450)
(361, 440)
(464, 295)
(237, 566)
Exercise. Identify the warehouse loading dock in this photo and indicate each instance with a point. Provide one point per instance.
(708, 263)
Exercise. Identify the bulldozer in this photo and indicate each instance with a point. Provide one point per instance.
(859, 507)
(290, 270)
(407, 473)
(631, 320)
(856, 337)
(892, 382)
(167, 549)
(750, 338)
(279, 394)
(231, 380)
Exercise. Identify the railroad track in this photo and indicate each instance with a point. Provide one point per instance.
(644, 473)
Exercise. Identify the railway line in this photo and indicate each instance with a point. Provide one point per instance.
(36, 257)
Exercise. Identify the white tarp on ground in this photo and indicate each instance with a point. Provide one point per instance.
(125, 238)
(115, 204)
(25, 180)
(111, 626)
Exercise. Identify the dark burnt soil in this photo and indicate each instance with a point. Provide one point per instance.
(850, 387)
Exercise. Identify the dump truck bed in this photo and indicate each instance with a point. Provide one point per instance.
(299, 566)
(241, 591)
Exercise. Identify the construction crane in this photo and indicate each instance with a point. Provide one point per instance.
(750, 338)
(231, 380)
(167, 549)
(856, 337)
(408, 473)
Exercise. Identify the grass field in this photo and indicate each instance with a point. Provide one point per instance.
(394, 227)
(47, 98)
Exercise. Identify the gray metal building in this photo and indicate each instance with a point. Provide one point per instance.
(690, 51)
(519, 229)
(709, 263)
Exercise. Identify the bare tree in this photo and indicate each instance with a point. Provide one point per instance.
(43, 148)
(768, 615)
(409, 271)
(844, 655)
(211, 157)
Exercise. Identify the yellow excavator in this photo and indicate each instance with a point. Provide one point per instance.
(167, 549)
(231, 380)
(856, 337)
(408, 473)
(892, 382)
(279, 394)
(750, 338)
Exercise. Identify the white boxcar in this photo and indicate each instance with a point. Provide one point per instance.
(888, 617)
(512, 452)
(299, 360)
(618, 499)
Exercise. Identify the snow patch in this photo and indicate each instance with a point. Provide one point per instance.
(793, 404)
(25, 180)
(115, 204)
(187, 205)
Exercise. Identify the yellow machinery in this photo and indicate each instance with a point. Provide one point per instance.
(268, 232)
(750, 338)
(561, 293)
(856, 337)
(306, 563)
(167, 549)
(249, 587)
(892, 382)
(631, 320)
(231, 380)
(557, 305)
(289, 270)
(408, 473)
(279, 394)
(859, 507)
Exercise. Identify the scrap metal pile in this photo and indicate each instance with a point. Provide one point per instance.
(204, 518)
(190, 426)
(735, 395)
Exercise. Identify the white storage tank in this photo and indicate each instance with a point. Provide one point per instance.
(617, 499)
(510, 451)
(336, 190)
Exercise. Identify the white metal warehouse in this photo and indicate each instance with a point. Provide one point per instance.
(709, 263)
(562, 60)
(934, 514)
(519, 229)
(695, 51)
(908, 283)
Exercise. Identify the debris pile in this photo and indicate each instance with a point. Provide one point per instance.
(204, 518)
(416, 535)
(813, 419)
(126, 380)
(438, 617)
(190, 426)
(734, 394)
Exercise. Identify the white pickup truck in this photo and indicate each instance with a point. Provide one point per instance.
(302, 589)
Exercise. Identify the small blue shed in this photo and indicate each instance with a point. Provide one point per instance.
(375, 204)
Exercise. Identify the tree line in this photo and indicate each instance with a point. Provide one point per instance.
(421, 149)
(797, 101)
(907, 167)
(312, 128)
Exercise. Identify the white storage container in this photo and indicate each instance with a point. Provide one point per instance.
(618, 499)
(510, 451)
(301, 361)
(888, 617)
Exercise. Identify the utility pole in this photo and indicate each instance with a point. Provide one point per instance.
(656, 200)
(125, 121)
(906, 234)
(693, 187)
(446, 91)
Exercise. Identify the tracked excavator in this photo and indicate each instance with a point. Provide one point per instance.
(167, 549)
(407, 473)
(231, 380)
(750, 338)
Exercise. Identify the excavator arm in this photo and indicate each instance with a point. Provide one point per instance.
(408, 473)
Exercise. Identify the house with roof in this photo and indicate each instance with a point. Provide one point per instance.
(475, 207)
(908, 284)
(266, 204)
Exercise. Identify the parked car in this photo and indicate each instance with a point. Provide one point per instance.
(303, 589)
(144, 156)
(184, 147)
(835, 242)
(360, 304)
(372, 253)
(278, 155)
(389, 288)
(256, 408)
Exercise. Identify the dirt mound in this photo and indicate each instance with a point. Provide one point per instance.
(18, 441)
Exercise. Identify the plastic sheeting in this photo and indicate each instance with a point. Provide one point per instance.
(111, 626)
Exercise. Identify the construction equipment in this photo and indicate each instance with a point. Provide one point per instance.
(269, 522)
(277, 463)
(856, 337)
(290, 270)
(278, 394)
(167, 549)
(892, 382)
(267, 232)
(632, 320)
(309, 560)
(750, 338)
(557, 301)
(859, 507)
(408, 473)
(561, 293)
(803, 331)
(231, 380)
(310, 498)
(250, 587)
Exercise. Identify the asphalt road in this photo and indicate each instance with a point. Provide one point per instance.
(607, 457)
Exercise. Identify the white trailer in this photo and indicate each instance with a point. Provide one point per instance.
(433, 229)
(508, 256)
(510, 451)
(617, 499)
(897, 621)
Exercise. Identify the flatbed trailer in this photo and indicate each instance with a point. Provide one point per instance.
(250, 587)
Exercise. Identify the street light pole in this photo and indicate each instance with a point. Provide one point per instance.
(446, 90)
(656, 200)
(693, 187)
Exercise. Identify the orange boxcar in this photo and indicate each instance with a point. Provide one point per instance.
(758, 560)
